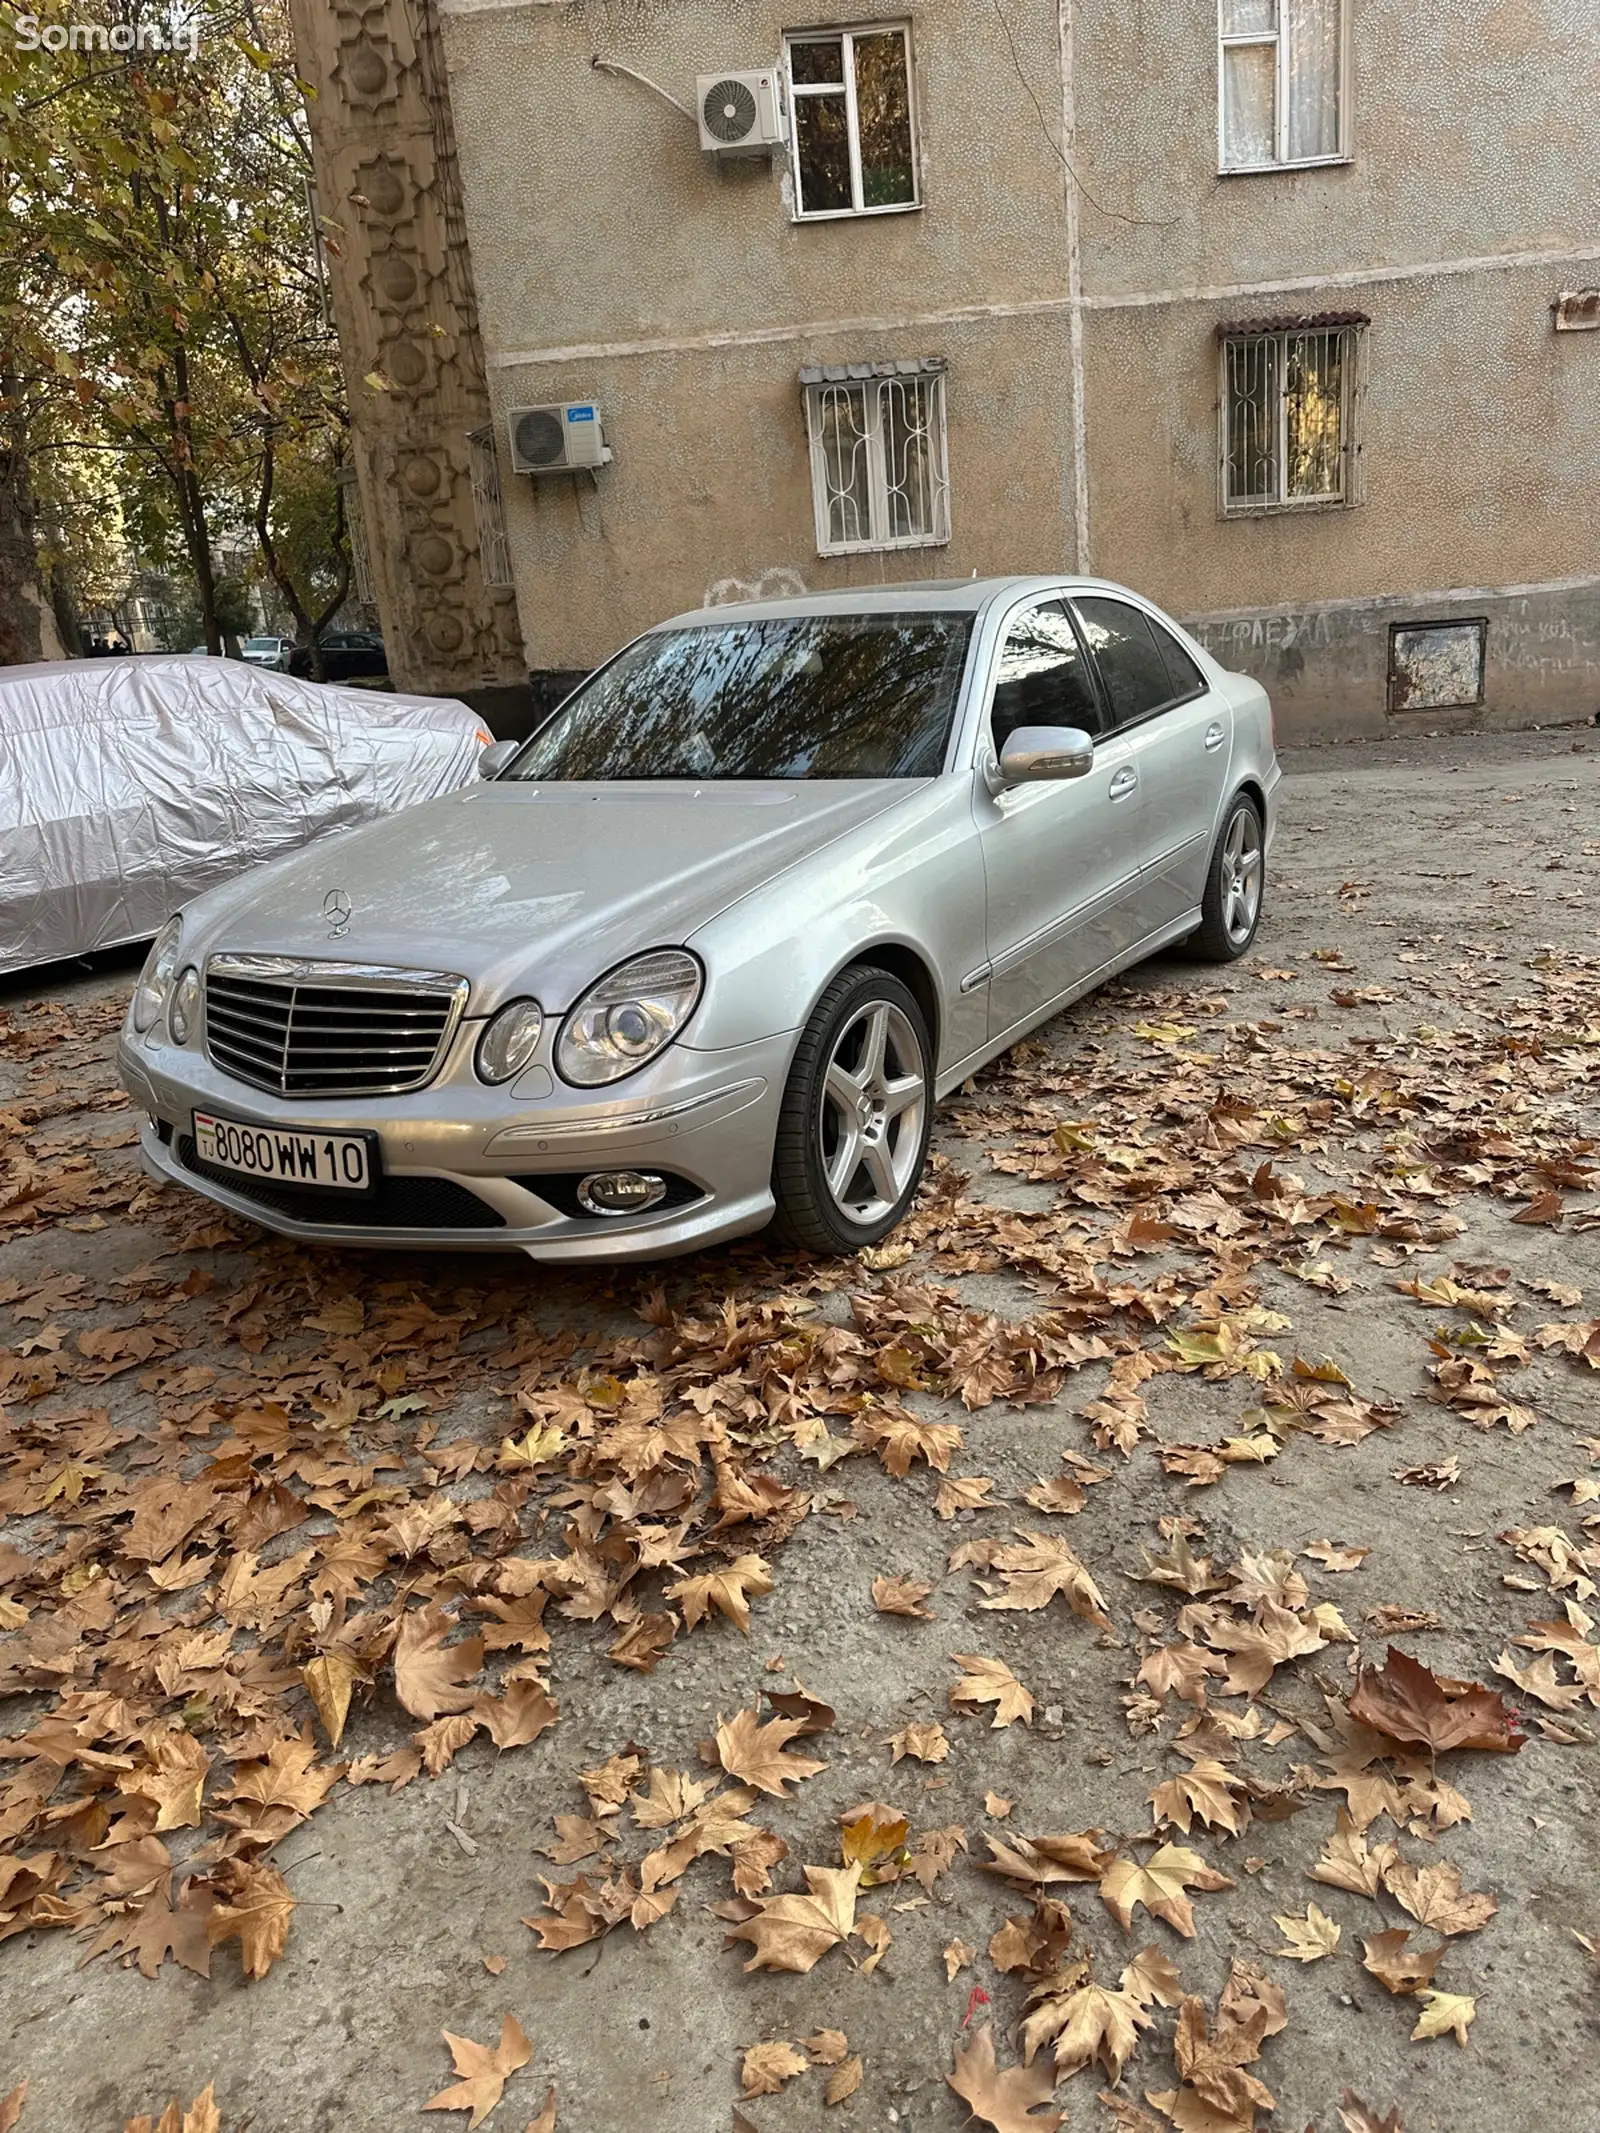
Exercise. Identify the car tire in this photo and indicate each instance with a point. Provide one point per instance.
(1235, 886)
(861, 1084)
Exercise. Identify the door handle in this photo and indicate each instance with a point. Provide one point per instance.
(1214, 737)
(1124, 782)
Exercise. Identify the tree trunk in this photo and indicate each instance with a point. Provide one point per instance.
(191, 501)
(27, 620)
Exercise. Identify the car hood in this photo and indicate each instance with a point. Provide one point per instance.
(535, 888)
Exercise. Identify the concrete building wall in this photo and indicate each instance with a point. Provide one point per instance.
(615, 261)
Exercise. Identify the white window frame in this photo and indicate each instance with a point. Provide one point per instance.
(1281, 158)
(488, 509)
(1352, 381)
(875, 387)
(799, 90)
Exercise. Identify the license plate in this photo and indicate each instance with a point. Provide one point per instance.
(336, 1162)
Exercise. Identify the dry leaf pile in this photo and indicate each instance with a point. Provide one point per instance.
(236, 1529)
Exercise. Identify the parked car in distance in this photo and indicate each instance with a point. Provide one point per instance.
(128, 786)
(703, 952)
(347, 655)
(270, 652)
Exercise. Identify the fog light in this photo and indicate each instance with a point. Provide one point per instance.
(620, 1192)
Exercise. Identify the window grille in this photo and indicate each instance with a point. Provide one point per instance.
(878, 456)
(854, 131)
(1289, 407)
(1282, 83)
(494, 550)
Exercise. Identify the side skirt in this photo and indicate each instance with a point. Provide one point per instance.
(1176, 930)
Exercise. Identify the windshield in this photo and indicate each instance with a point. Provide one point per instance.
(261, 644)
(806, 696)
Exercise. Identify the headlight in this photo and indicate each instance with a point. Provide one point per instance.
(184, 1011)
(150, 995)
(633, 1013)
(510, 1041)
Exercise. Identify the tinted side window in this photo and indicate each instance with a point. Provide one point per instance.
(1044, 679)
(1184, 676)
(1130, 662)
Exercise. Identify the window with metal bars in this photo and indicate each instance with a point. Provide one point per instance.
(854, 130)
(878, 460)
(1282, 83)
(494, 550)
(1289, 408)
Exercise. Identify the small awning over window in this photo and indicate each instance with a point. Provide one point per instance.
(847, 373)
(1238, 329)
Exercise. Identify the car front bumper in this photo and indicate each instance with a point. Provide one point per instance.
(461, 1166)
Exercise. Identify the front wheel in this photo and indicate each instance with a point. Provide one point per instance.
(853, 1130)
(1231, 910)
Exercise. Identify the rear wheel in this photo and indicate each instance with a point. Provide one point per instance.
(853, 1131)
(1231, 910)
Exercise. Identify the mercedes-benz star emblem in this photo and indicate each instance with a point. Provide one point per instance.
(337, 909)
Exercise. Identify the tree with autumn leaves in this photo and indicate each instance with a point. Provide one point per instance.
(160, 308)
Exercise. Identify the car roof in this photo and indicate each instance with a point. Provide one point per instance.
(942, 596)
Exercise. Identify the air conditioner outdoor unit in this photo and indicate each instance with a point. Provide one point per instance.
(740, 114)
(557, 438)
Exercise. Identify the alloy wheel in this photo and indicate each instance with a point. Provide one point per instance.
(1241, 875)
(870, 1119)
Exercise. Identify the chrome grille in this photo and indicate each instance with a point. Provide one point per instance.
(328, 1029)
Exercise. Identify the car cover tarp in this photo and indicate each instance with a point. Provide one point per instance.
(127, 786)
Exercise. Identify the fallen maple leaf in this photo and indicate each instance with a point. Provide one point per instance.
(727, 1591)
(329, 1680)
(926, 1741)
(1397, 1966)
(1202, 1790)
(429, 1676)
(1008, 2101)
(795, 1932)
(1212, 2058)
(174, 1780)
(828, 2047)
(1408, 1702)
(1446, 2012)
(992, 1681)
(901, 1596)
(1037, 1570)
(11, 2107)
(1276, 1635)
(1310, 1938)
(768, 2066)
(484, 2072)
(1434, 1897)
(1159, 1885)
(1358, 2117)
(546, 2120)
(202, 2116)
(957, 1956)
(255, 1912)
(1089, 2022)
(1348, 1862)
(754, 1752)
(519, 1716)
(843, 2082)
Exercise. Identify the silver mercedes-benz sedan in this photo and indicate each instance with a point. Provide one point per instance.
(700, 956)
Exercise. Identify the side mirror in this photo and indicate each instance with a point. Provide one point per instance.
(1035, 754)
(495, 758)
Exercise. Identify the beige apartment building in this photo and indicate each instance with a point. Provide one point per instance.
(1283, 311)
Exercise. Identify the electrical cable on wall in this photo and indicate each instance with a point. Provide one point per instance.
(615, 66)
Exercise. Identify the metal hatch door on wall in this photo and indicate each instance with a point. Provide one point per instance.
(1437, 666)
